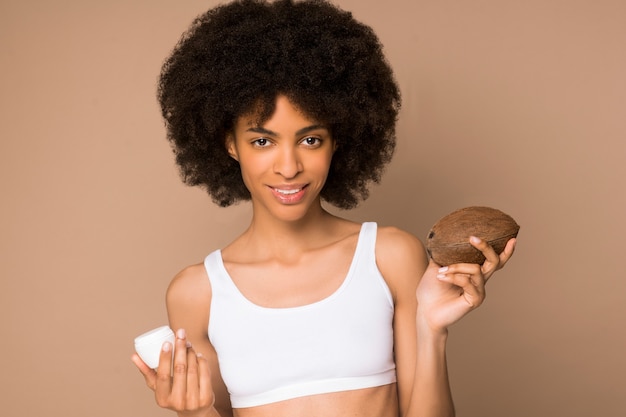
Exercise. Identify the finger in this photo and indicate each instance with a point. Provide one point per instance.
(205, 387)
(472, 285)
(179, 384)
(163, 375)
(506, 254)
(463, 269)
(470, 297)
(192, 380)
(492, 260)
(508, 251)
(148, 374)
(503, 258)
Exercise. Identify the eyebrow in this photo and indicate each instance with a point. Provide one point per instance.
(264, 131)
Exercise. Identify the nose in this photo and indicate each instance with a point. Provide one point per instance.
(287, 162)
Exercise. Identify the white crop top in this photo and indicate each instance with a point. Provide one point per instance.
(343, 342)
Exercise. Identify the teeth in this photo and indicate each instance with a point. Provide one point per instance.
(288, 192)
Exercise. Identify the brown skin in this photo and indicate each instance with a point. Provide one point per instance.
(189, 294)
(300, 239)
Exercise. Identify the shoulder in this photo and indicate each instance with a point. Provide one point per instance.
(189, 289)
(390, 240)
(397, 247)
(401, 259)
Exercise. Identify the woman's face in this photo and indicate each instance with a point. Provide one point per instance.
(284, 162)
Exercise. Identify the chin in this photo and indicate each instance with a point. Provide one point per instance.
(294, 212)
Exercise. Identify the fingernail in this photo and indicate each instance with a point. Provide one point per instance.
(443, 269)
(474, 239)
(180, 333)
(167, 346)
(188, 344)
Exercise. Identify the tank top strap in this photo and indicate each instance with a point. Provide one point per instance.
(367, 241)
(215, 270)
(211, 264)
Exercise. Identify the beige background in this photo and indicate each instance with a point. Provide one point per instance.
(515, 104)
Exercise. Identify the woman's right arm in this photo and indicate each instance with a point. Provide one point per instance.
(195, 388)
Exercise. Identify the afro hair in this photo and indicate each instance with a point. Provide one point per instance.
(237, 58)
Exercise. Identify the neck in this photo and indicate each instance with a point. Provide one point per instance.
(268, 236)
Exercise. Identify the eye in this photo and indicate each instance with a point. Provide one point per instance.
(312, 141)
(261, 142)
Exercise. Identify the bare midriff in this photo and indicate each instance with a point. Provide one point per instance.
(369, 402)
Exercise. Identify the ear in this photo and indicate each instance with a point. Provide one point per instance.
(231, 148)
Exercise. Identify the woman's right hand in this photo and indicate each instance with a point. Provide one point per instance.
(187, 390)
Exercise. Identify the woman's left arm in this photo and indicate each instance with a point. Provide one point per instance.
(424, 309)
(445, 295)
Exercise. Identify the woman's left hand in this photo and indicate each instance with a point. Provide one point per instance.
(446, 294)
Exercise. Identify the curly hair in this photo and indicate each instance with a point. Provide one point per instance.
(235, 60)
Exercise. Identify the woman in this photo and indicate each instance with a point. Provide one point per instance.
(305, 314)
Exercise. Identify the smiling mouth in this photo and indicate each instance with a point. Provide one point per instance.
(288, 192)
(290, 195)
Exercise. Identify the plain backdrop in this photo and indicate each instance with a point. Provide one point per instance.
(518, 105)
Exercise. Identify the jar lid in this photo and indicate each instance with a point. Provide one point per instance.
(160, 334)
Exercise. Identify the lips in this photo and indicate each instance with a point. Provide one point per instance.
(289, 194)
